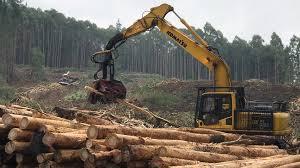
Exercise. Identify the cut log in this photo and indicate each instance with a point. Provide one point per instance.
(232, 164)
(195, 155)
(95, 143)
(84, 154)
(64, 140)
(11, 120)
(11, 110)
(44, 157)
(137, 164)
(237, 150)
(100, 132)
(25, 159)
(116, 141)
(275, 162)
(228, 136)
(62, 156)
(139, 152)
(50, 128)
(52, 164)
(164, 162)
(4, 130)
(31, 123)
(114, 155)
(20, 135)
(14, 146)
(89, 119)
(291, 165)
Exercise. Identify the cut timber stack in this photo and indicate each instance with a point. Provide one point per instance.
(31, 138)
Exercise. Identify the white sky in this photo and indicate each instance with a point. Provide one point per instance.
(233, 17)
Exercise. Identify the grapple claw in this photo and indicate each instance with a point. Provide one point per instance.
(111, 91)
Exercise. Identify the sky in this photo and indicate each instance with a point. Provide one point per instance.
(243, 18)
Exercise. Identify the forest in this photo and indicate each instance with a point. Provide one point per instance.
(67, 42)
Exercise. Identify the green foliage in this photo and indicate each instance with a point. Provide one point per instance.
(150, 95)
(7, 93)
(76, 96)
(37, 63)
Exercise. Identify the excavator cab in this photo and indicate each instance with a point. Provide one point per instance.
(225, 109)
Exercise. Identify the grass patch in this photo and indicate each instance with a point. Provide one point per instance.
(153, 97)
(76, 96)
(7, 93)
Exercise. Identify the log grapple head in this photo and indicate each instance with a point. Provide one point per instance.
(106, 90)
(109, 91)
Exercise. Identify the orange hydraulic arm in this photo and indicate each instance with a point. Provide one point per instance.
(198, 48)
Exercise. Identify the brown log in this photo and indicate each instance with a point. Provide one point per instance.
(31, 123)
(11, 120)
(14, 146)
(88, 164)
(25, 159)
(64, 140)
(62, 156)
(84, 154)
(44, 157)
(137, 164)
(100, 132)
(275, 162)
(114, 155)
(232, 164)
(115, 141)
(259, 146)
(4, 130)
(238, 150)
(50, 128)
(291, 165)
(20, 135)
(11, 110)
(195, 155)
(89, 119)
(164, 162)
(95, 143)
(228, 136)
(52, 164)
(139, 152)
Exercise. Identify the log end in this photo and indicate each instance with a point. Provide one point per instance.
(24, 123)
(10, 147)
(13, 133)
(113, 141)
(7, 119)
(48, 139)
(84, 154)
(92, 132)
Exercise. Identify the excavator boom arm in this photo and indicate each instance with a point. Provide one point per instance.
(198, 49)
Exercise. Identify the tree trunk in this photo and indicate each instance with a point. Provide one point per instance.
(99, 132)
(15, 146)
(44, 157)
(20, 135)
(195, 155)
(64, 140)
(115, 141)
(63, 156)
(164, 162)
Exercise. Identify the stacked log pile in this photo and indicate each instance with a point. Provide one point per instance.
(30, 138)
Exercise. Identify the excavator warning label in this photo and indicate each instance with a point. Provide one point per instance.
(181, 42)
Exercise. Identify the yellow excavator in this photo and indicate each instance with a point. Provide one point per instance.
(220, 107)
